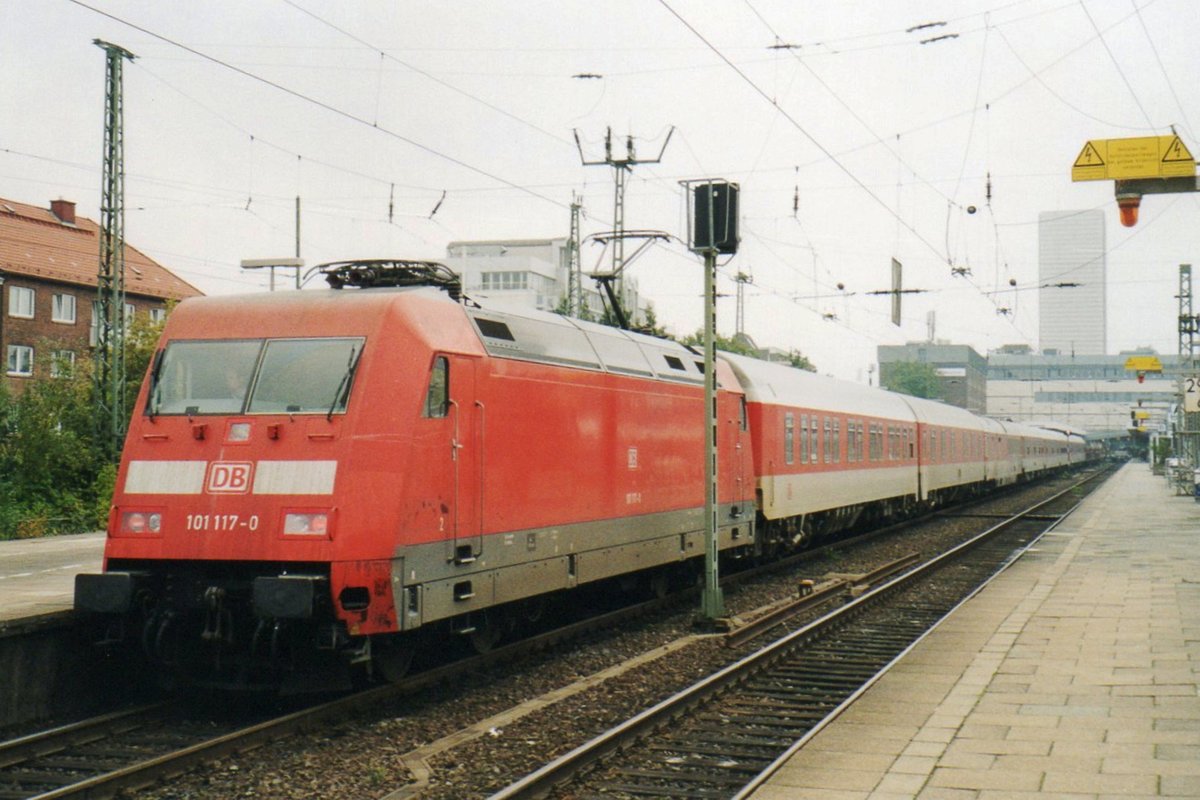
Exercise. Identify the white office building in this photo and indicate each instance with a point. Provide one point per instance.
(526, 272)
(1071, 249)
(1094, 393)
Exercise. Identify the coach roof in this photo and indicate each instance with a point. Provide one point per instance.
(767, 382)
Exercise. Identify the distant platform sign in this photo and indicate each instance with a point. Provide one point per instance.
(1130, 159)
(1191, 394)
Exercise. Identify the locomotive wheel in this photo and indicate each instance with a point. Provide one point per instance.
(486, 634)
(533, 609)
(659, 585)
(392, 658)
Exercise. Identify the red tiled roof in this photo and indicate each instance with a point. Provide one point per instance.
(34, 242)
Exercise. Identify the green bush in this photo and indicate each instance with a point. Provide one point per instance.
(56, 475)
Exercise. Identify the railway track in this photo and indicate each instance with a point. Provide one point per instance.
(714, 739)
(135, 748)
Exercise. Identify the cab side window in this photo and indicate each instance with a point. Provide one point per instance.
(437, 399)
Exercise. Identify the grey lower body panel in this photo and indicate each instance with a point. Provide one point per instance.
(521, 564)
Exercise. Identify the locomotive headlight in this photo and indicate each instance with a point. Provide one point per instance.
(141, 522)
(306, 524)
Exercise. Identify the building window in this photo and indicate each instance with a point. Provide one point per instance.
(62, 363)
(130, 310)
(504, 280)
(20, 302)
(63, 309)
(20, 360)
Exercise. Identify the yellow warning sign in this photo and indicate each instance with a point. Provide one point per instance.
(1143, 363)
(1130, 159)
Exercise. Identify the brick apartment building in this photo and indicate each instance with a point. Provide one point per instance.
(48, 264)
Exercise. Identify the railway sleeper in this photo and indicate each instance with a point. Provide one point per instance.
(796, 712)
(743, 722)
(670, 776)
(779, 685)
(815, 673)
(703, 749)
(664, 791)
(754, 702)
(747, 765)
(719, 734)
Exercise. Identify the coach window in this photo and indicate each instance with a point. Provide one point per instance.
(837, 440)
(813, 455)
(789, 438)
(828, 440)
(804, 438)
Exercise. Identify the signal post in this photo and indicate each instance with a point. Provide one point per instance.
(712, 223)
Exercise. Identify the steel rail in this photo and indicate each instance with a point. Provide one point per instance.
(43, 743)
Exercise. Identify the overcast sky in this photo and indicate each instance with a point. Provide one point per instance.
(854, 137)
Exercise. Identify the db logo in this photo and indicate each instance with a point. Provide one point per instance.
(229, 477)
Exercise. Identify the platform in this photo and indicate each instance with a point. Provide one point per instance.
(1075, 674)
(37, 576)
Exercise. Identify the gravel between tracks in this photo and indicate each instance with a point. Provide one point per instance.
(364, 758)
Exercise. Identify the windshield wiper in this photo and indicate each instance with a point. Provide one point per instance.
(343, 390)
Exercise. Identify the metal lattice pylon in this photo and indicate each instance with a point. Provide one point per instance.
(109, 314)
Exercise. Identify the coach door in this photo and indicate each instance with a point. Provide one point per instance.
(741, 450)
(466, 454)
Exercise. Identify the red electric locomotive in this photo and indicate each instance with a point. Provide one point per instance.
(342, 473)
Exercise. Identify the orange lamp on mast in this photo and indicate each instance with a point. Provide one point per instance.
(1128, 203)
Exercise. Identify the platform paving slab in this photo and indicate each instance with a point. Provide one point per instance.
(37, 576)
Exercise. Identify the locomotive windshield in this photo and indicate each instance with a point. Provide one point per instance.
(254, 376)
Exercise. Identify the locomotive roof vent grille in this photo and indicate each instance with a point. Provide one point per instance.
(390, 272)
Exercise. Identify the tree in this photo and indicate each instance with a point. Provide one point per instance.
(54, 475)
(723, 343)
(741, 346)
(48, 456)
(913, 378)
(800, 361)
